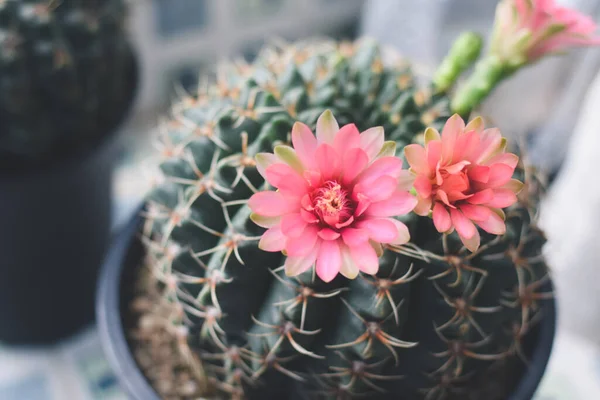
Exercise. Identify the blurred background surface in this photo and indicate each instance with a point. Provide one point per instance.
(178, 39)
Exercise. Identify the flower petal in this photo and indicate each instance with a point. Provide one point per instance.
(494, 225)
(505, 158)
(416, 158)
(327, 127)
(288, 155)
(272, 240)
(295, 266)
(328, 234)
(293, 224)
(390, 166)
(471, 243)
(463, 225)
(365, 258)
(423, 186)
(272, 204)
(481, 197)
(265, 222)
(431, 134)
(479, 173)
(382, 230)
(423, 206)
(372, 140)
(329, 261)
(327, 161)
(403, 233)
(305, 143)
(399, 203)
(475, 213)
(453, 127)
(500, 174)
(406, 180)
(378, 190)
(348, 137)
(354, 162)
(503, 198)
(349, 269)
(354, 237)
(514, 185)
(263, 161)
(302, 245)
(441, 218)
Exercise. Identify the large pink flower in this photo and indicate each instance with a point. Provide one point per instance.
(526, 30)
(337, 194)
(464, 177)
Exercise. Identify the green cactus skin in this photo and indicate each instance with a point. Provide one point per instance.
(432, 322)
(65, 76)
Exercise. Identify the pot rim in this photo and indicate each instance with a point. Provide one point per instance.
(120, 358)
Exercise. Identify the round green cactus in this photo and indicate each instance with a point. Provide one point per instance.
(431, 323)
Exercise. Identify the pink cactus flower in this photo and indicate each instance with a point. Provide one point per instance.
(464, 177)
(336, 199)
(527, 30)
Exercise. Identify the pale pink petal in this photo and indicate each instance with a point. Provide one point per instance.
(417, 158)
(329, 261)
(263, 161)
(503, 198)
(399, 203)
(305, 143)
(365, 258)
(328, 161)
(505, 158)
(272, 240)
(490, 143)
(313, 178)
(379, 189)
(354, 162)
(288, 155)
(327, 127)
(346, 223)
(277, 172)
(382, 230)
(474, 212)
(441, 218)
(406, 180)
(328, 234)
(462, 224)
(500, 174)
(403, 233)
(423, 186)
(348, 268)
(348, 137)
(302, 245)
(434, 154)
(453, 127)
(494, 225)
(390, 166)
(273, 204)
(371, 141)
(423, 206)
(362, 203)
(482, 197)
(295, 266)
(457, 167)
(354, 237)
(471, 243)
(293, 225)
(265, 222)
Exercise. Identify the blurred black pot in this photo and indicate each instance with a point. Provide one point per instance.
(54, 231)
(115, 291)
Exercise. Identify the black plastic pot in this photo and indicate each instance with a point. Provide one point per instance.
(54, 232)
(115, 292)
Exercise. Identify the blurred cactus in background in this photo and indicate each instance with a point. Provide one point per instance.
(65, 77)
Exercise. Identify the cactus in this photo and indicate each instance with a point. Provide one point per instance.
(66, 75)
(432, 323)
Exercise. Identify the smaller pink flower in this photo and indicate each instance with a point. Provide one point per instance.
(336, 199)
(527, 30)
(464, 178)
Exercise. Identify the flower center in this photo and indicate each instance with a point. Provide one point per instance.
(331, 203)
